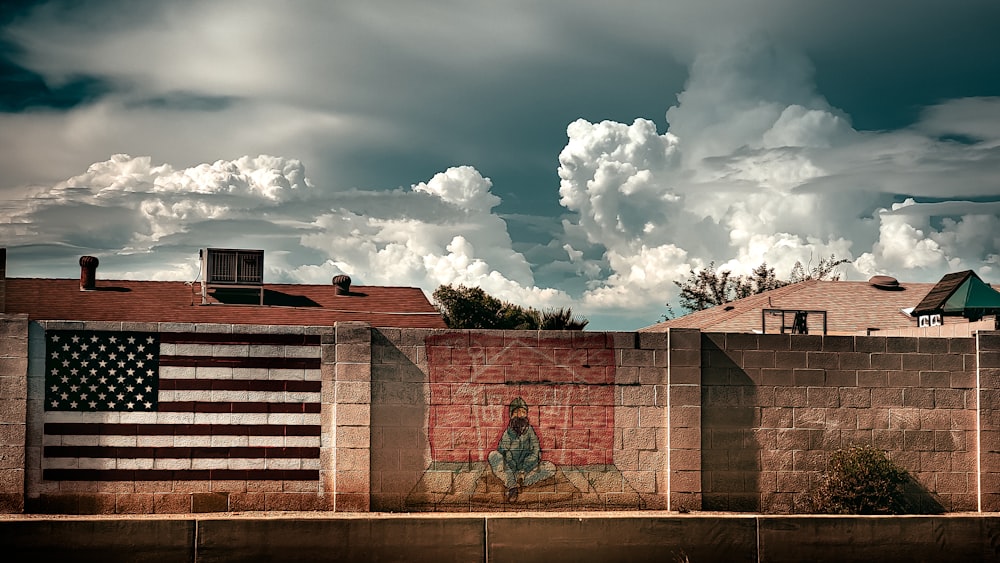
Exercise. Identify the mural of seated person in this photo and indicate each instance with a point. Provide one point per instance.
(517, 461)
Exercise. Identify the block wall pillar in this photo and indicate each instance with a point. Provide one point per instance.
(13, 410)
(347, 422)
(3, 280)
(988, 350)
(684, 430)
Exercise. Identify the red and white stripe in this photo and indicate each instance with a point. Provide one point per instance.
(231, 406)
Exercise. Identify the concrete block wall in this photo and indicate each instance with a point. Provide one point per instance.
(567, 380)
(405, 419)
(775, 406)
(988, 344)
(347, 421)
(399, 412)
(685, 418)
(597, 402)
(953, 329)
(13, 397)
(238, 427)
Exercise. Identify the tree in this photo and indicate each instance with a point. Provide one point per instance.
(709, 287)
(764, 279)
(822, 271)
(561, 319)
(471, 307)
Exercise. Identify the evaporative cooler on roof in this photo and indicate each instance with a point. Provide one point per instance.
(232, 268)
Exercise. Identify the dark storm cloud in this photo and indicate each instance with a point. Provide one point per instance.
(794, 129)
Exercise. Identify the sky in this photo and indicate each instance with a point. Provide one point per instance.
(574, 154)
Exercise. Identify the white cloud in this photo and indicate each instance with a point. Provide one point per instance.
(751, 164)
(757, 162)
(462, 186)
(611, 175)
(641, 279)
(437, 232)
(978, 118)
(932, 239)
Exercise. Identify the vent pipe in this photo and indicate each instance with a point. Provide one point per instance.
(885, 283)
(343, 285)
(88, 272)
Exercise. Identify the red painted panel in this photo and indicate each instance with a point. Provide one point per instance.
(488, 374)
(449, 374)
(469, 356)
(570, 406)
(556, 374)
(453, 416)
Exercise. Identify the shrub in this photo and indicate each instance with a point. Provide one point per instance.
(861, 480)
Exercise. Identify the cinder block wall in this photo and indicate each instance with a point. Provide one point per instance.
(685, 423)
(238, 426)
(597, 401)
(13, 398)
(989, 419)
(400, 394)
(405, 419)
(775, 406)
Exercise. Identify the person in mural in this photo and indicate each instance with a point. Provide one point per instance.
(517, 461)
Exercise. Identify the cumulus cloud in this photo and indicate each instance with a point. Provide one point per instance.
(753, 166)
(755, 161)
(403, 129)
(462, 186)
(439, 231)
(132, 203)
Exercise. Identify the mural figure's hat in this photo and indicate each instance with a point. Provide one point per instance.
(517, 403)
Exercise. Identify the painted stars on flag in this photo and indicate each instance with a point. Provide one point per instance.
(101, 371)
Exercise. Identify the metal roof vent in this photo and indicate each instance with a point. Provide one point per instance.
(343, 285)
(885, 283)
(88, 273)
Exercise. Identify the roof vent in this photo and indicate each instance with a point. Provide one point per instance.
(343, 284)
(88, 272)
(885, 283)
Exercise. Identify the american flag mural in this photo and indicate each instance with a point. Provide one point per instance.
(142, 406)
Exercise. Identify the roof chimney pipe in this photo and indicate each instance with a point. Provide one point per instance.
(88, 272)
(343, 285)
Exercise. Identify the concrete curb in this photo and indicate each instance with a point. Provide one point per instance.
(526, 538)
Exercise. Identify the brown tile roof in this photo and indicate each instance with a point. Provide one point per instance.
(939, 294)
(167, 301)
(851, 307)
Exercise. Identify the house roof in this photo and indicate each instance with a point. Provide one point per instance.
(958, 292)
(851, 307)
(169, 301)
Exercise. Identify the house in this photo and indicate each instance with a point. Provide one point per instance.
(231, 395)
(955, 306)
(215, 300)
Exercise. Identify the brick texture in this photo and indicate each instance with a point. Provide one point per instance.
(685, 420)
(677, 420)
(347, 420)
(566, 381)
(245, 485)
(988, 344)
(13, 409)
(767, 433)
